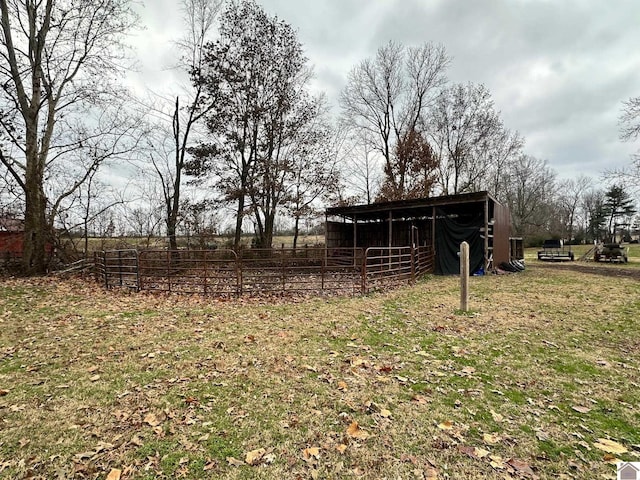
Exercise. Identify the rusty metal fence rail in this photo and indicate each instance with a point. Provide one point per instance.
(307, 270)
(118, 268)
(424, 258)
(209, 272)
(221, 272)
(387, 265)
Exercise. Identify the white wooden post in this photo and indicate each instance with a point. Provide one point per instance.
(464, 276)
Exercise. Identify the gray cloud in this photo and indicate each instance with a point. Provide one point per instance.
(558, 71)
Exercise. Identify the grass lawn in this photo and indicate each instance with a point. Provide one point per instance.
(540, 380)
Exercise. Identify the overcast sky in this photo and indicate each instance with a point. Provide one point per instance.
(558, 70)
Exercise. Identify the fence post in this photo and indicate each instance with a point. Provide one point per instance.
(282, 269)
(120, 266)
(464, 276)
(363, 271)
(239, 273)
(206, 259)
(105, 271)
(413, 264)
(169, 255)
(95, 265)
(323, 265)
(138, 281)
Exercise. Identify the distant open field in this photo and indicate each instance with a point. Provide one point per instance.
(539, 380)
(109, 243)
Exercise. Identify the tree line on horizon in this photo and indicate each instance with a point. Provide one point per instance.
(248, 139)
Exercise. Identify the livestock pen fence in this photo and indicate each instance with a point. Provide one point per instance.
(222, 272)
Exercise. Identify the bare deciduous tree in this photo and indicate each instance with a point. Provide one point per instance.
(388, 96)
(629, 132)
(169, 163)
(314, 170)
(530, 194)
(58, 57)
(361, 167)
(571, 192)
(469, 139)
(630, 119)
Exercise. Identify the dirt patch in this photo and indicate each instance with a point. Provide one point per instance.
(595, 269)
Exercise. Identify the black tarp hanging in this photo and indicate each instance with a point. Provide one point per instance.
(453, 229)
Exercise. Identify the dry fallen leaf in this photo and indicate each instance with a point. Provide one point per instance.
(384, 413)
(4, 392)
(341, 448)
(496, 416)
(542, 435)
(468, 371)
(521, 467)
(496, 462)
(610, 458)
(431, 474)
(609, 446)
(446, 425)
(421, 399)
(474, 452)
(342, 385)
(355, 431)
(234, 462)
(151, 420)
(311, 452)
(254, 456)
(480, 452)
(581, 409)
(491, 439)
(114, 474)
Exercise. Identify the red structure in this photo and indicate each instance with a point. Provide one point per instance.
(11, 238)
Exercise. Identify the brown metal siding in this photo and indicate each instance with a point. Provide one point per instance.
(501, 233)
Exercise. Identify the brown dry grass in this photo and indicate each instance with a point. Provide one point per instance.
(94, 382)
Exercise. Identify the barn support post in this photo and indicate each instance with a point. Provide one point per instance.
(355, 240)
(326, 236)
(486, 235)
(464, 276)
(390, 238)
(414, 245)
(433, 229)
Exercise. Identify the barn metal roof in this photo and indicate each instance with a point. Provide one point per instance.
(405, 208)
(11, 224)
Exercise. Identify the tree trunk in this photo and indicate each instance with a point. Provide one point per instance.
(296, 231)
(35, 223)
(174, 202)
(171, 233)
(266, 236)
(238, 234)
(36, 233)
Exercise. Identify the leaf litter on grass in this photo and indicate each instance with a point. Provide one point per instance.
(190, 386)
